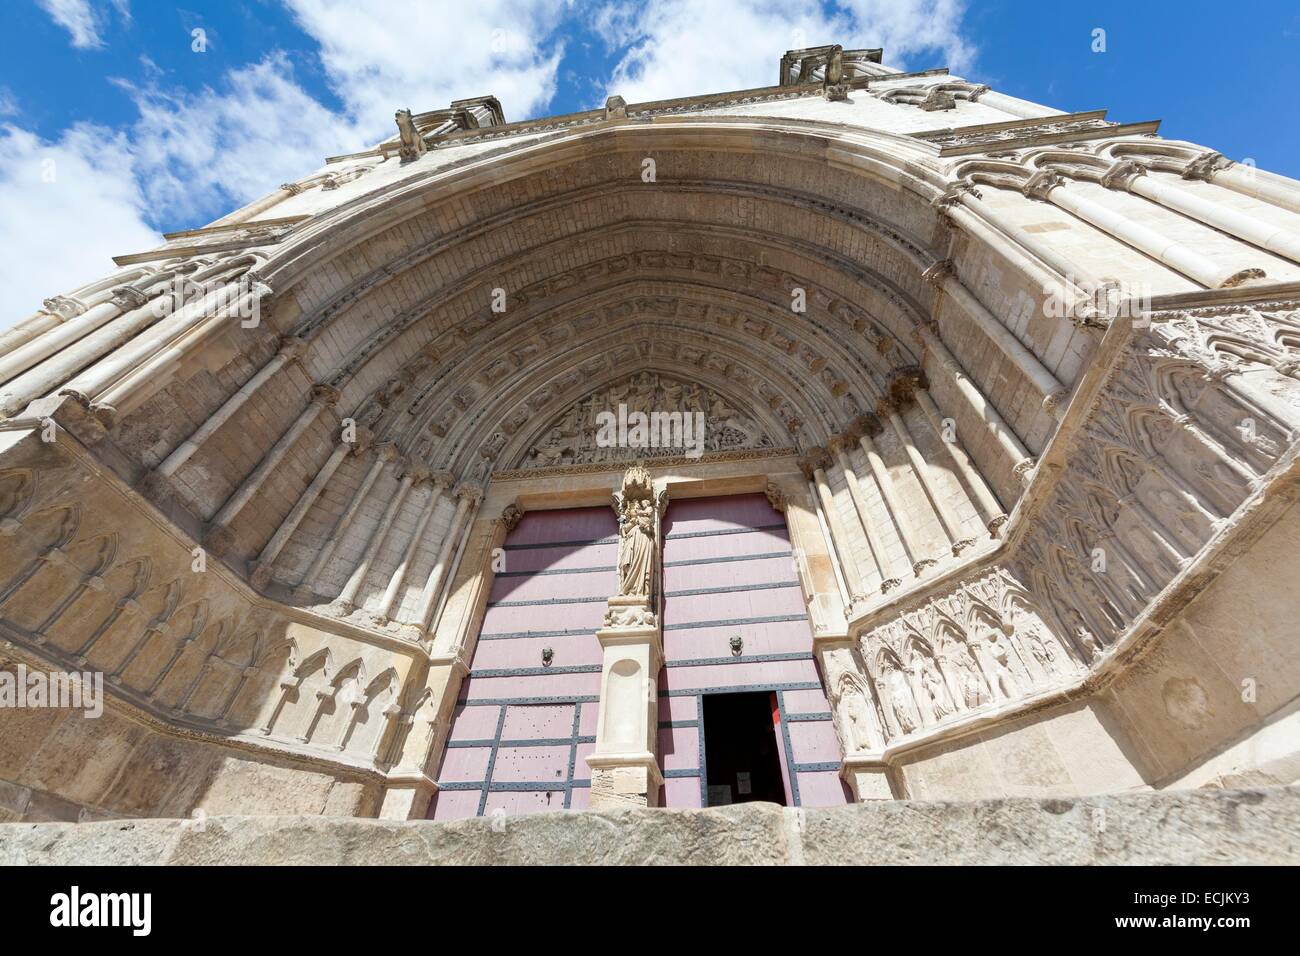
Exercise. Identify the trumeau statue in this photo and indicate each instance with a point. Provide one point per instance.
(636, 533)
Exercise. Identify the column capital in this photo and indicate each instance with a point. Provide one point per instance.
(867, 425)
(364, 439)
(1024, 469)
(812, 461)
(938, 273)
(64, 307)
(291, 347)
(470, 493)
(127, 297)
(903, 382)
(1122, 173)
(323, 394)
(1056, 400)
(954, 194)
(1041, 183)
(1205, 166)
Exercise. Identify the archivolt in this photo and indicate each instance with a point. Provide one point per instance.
(791, 206)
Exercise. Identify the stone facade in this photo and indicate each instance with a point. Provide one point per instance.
(1023, 385)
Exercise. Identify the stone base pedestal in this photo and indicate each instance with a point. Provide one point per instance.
(624, 770)
(868, 778)
(624, 780)
(407, 799)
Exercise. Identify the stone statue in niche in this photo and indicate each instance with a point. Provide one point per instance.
(1043, 651)
(932, 686)
(900, 700)
(998, 653)
(851, 701)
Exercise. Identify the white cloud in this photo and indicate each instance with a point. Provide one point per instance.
(192, 156)
(195, 155)
(907, 27)
(200, 154)
(66, 208)
(387, 56)
(81, 20)
(683, 47)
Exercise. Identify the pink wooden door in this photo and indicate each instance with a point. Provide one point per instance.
(521, 728)
(728, 570)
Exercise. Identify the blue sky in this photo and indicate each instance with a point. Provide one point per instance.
(115, 126)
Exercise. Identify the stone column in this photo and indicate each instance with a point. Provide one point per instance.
(124, 346)
(941, 505)
(1218, 169)
(466, 495)
(346, 601)
(877, 547)
(1050, 186)
(78, 321)
(1038, 259)
(1022, 463)
(261, 566)
(814, 466)
(814, 564)
(1130, 176)
(438, 484)
(385, 452)
(945, 281)
(990, 508)
(624, 768)
(868, 425)
(219, 537)
(157, 481)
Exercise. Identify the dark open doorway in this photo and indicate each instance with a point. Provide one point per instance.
(740, 749)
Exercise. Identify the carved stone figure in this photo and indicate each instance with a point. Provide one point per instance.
(412, 147)
(901, 701)
(637, 530)
(935, 692)
(998, 654)
(851, 703)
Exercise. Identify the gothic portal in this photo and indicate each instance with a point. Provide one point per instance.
(871, 435)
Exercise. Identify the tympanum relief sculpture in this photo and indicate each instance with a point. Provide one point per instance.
(575, 437)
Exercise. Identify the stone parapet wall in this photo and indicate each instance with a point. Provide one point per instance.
(1222, 827)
